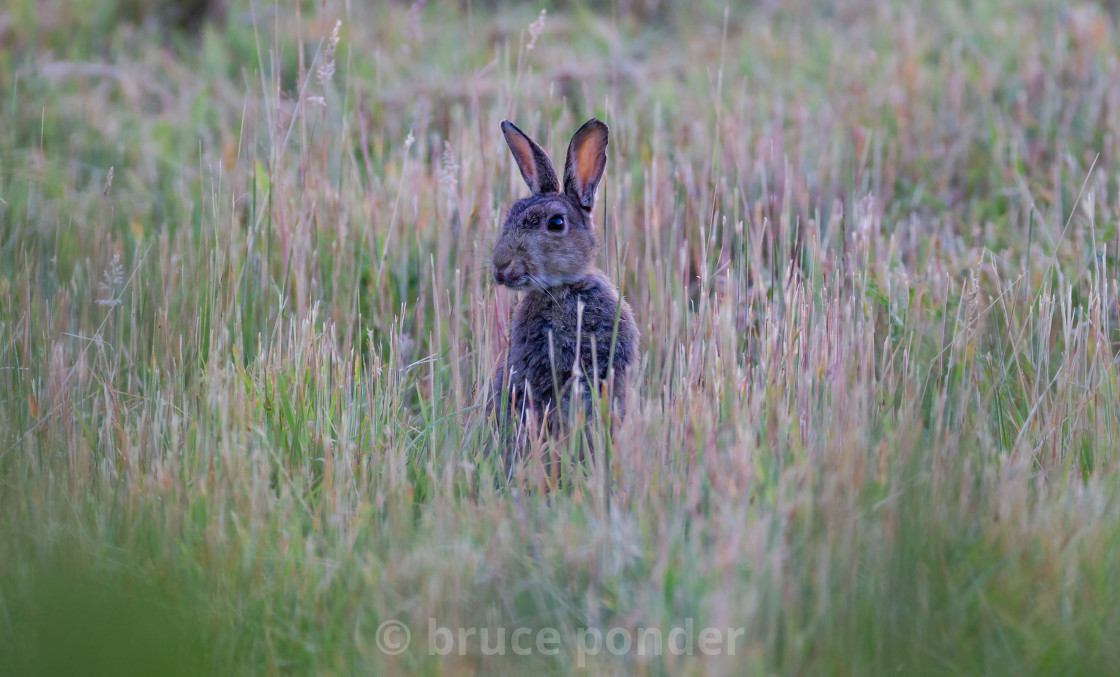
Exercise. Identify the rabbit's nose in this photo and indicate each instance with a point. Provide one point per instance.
(500, 273)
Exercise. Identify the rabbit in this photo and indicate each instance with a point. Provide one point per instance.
(546, 250)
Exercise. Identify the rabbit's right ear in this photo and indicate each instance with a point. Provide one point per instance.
(587, 158)
(531, 159)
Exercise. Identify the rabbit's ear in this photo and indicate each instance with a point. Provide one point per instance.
(587, 158)
(531, 160)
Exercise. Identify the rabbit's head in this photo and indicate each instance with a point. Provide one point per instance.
(547, 239)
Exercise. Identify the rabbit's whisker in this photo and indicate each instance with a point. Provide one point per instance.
(540, 285)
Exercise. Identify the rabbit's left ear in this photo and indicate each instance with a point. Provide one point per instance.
(587, 158)
(531, 159)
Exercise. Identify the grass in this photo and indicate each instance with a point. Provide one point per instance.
(246, 321)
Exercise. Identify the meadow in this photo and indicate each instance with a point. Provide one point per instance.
(247, 319)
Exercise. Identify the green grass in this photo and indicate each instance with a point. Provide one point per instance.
(871, 250)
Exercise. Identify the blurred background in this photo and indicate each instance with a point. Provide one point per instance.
(246, 316)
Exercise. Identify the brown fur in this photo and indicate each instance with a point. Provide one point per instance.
(571, 325)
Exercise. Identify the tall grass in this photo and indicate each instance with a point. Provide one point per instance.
(246, 323)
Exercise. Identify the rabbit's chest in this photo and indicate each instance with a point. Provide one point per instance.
(543, 342)
(558, 339)
(538, 334)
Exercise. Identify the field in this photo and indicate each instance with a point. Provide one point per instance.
(247, 320)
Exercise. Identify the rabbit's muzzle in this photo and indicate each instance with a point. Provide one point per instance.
(510, 267)
(510, 273)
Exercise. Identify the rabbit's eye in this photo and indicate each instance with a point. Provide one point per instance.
(556, 224)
